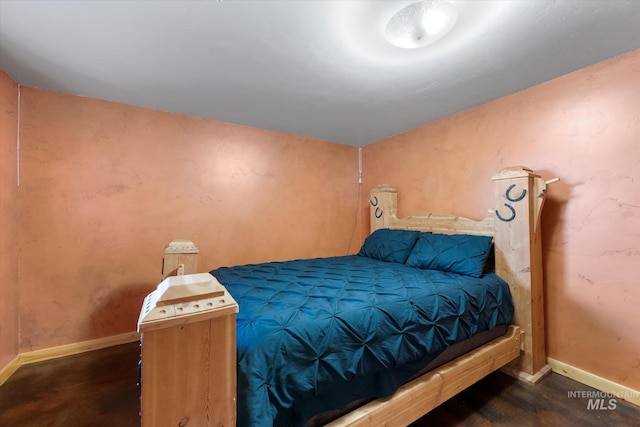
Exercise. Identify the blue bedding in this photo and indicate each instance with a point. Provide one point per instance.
(316, 334)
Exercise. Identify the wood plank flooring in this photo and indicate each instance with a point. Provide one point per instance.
(99, 388)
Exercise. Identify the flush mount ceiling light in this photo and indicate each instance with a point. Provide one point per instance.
(420, 24)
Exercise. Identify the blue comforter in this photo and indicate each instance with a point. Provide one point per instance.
(315, 334)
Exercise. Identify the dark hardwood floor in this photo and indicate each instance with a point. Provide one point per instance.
(99, 389)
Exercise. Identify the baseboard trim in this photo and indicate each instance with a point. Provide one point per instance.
(619, 391)
(10, 369)
(76, 348)
(64, 350)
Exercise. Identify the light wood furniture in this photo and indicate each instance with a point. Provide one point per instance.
(180, 257)
(188, 360)
(515, 225)
(514, 222)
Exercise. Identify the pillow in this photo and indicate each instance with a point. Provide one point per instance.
(389, 245)
(456, 253)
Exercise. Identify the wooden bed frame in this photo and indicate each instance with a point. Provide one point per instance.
(514, 223)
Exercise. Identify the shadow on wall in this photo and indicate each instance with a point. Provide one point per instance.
(552, 221)
(116, 310)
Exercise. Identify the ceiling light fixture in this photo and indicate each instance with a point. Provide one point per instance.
(420, 24)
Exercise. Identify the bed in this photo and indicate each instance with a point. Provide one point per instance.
(428, 306)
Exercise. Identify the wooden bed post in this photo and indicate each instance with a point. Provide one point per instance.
(188, 359)
(519, 195)
(383, 201)
(180, 257)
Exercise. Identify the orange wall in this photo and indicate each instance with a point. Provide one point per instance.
(585, 128)
(8, 220)
(105, 186)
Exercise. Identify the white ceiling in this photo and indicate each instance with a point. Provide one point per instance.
(320, 69)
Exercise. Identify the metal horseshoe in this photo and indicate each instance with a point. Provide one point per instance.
(517, 199)
(378, 215)
(376, 203)
(513, 214)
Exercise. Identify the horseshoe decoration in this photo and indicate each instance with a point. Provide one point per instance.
(517, 199)
(511, 199)
(378, 212)
(511, 218)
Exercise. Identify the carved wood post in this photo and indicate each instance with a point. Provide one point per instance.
(519, 195)
(180, 257)
(383, 202)
(188, 359)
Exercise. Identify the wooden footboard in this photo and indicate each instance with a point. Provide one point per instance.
(425, 393)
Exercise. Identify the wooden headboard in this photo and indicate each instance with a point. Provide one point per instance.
(514, 223)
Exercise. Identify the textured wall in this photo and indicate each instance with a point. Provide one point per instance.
(8, 220)
(106, 186)
(585, 128)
